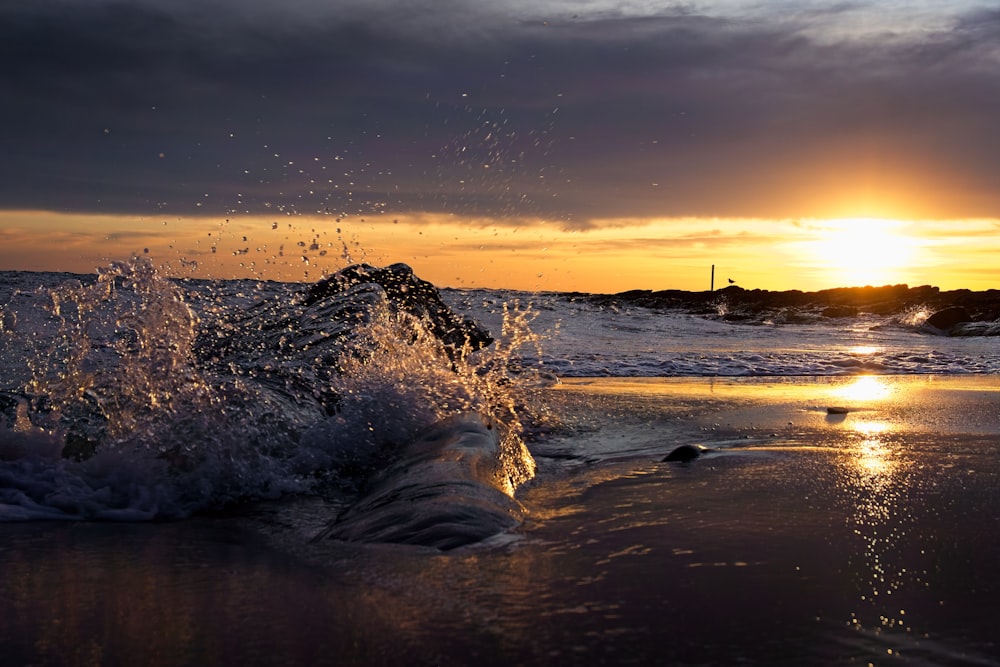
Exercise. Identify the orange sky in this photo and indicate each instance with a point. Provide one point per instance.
(573, 145)
(611, 256)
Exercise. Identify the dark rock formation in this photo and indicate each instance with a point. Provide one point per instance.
(309, 332)
(840, 311)
(975, 329)
(684, 453)
(737, 304)
(944, 320)
(409, 293)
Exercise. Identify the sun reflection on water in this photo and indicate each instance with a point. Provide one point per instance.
(874, 457)
(865, 388)
(876, 484)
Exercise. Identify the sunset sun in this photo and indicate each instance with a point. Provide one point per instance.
(863, 251)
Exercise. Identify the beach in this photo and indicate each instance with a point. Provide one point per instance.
(378, 334)
(864, 536)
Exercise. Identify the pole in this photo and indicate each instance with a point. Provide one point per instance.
(712, 288)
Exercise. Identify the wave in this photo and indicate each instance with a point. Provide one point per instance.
(448, 488)
(150, 399)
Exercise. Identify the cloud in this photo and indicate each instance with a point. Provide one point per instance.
(566, 113)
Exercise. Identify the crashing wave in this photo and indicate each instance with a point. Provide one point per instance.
(142, 406)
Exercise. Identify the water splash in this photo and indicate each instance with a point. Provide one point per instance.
(139, 421)
(146, 433)
(397, 379)
(913, 317)
(124, 347)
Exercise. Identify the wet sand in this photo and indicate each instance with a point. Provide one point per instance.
(803, 537)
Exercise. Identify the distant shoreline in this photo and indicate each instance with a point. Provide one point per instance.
(981, 305)
(836, 302)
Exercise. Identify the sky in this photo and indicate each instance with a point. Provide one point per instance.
(565, 145)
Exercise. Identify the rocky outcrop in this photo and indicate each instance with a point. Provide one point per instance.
(944, 320)
(737, 304)
(975, 329)
(308, 333)
(840, 311)
(406, 292)
(957, 321)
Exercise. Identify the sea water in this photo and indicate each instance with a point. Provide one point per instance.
(802, 538)
(585, 339)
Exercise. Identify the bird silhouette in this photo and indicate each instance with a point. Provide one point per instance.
(731, 281)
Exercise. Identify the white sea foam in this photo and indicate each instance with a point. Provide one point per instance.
(145, 428)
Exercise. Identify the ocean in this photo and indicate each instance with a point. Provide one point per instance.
(370, 470)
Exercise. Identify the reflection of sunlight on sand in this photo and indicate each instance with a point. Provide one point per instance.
(865, 388)
(874, 456)
(872, 429)
(876, 481)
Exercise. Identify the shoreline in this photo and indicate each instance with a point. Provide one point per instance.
(900, 397)
(842, 301)
(805, 538)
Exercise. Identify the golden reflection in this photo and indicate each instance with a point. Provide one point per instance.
(865, 388)
(872, 429)
(874, 456)
(875, 480)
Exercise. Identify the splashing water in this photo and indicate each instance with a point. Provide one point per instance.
(914, 316)
(123, 419)
(397, 380)
(144, 432)
(124, 347)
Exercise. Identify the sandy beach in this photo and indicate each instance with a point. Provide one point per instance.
(864, 535)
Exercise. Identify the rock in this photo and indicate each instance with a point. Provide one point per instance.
(291, 347)
(409, 293)
(684, 453)
(975, 329)
(835, 410)
(945, 319)
(840, 311)
(753, 304)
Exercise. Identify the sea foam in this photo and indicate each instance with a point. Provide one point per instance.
(146, 400)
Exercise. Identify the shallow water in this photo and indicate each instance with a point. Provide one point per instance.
(583, 339)
(806, 538)
(802, 537)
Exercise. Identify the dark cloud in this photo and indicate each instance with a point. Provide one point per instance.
(218, 107)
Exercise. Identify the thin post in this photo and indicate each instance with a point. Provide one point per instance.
(712, 288)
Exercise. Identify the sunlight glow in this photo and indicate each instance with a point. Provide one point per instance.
(863, 251)
(865, 388)
(872, 430)
(604, 256)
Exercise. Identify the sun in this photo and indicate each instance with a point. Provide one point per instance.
(862, 251)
